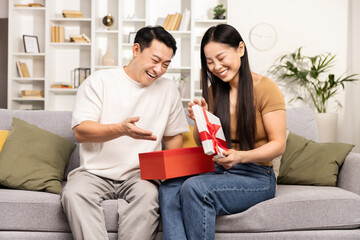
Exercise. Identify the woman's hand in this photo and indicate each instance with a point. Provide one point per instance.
(201, 103)
(232, 157)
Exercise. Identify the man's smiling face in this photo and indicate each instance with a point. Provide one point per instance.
(152, 62)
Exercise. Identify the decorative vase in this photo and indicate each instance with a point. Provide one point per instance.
(108, 58)
(327, 126)
(181, 88)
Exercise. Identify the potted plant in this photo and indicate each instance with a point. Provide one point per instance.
(311, 75)
(219, 11)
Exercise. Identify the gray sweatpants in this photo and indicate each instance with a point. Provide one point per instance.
(138, 206)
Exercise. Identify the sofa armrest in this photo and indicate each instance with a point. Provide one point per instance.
(349, 178)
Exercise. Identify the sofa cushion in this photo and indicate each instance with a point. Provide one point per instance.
(33, 158)
(22, 210)
(293, 208)
(188, 138)
(310, 163)
(58, 122)
(3, 136)
(301, 120)
(297, 207)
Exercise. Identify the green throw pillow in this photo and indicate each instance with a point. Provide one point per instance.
(307, 162)
(33, 158)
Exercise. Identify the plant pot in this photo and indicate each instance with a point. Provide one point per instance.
(327, 126)
(220, 16)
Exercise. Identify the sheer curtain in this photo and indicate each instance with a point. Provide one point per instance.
(351, 113)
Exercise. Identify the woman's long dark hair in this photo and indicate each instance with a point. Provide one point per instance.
(245, 110)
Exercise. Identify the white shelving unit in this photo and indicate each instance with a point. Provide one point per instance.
(63, 58)
(56, 61)
(26, 21)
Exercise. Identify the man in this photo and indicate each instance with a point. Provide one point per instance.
(118, 114)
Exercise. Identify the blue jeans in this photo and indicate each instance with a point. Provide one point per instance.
(189, 205)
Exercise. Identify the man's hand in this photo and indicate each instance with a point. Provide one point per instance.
(130, 129)
(91, 131)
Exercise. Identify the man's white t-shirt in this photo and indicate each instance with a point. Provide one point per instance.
(111, 96)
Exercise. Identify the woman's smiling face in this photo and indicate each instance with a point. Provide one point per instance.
(223, 60)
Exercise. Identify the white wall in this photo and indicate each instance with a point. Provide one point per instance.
(351, 118)
(4, 8)
(318, 26)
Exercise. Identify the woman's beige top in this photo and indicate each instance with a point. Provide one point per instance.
(268, 98)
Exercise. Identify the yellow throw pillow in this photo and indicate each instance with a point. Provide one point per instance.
(3, 136)
(188, 139)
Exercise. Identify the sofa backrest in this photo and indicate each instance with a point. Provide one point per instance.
(300, 120)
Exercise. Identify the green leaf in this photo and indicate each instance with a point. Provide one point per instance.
(309, 73)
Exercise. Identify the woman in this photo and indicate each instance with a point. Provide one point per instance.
(252, 112)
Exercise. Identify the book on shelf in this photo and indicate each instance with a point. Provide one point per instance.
(21, 5)
(53, 33)
(35, 5)
(25, 70)
(32, 93)
(79, 75)
(172, 21)
(178, 20)
(22, 70)
(18, 67)
(29, 5)
(168, 21)
(86, 37)
(61, 85)
(57, 34)
(77, 38)
(72, 14)
(185, 21)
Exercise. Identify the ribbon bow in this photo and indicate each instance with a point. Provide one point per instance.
(213, 128)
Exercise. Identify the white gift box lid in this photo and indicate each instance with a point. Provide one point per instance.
(201, 124)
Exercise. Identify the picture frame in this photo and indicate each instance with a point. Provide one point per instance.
(31, 44)
(132, 37)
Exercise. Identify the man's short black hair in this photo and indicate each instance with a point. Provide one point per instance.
(146, 35)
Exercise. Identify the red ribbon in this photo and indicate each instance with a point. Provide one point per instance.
(213, 128)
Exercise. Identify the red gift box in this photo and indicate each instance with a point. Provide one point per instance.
(174, 163)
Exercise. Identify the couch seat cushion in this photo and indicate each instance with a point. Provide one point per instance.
(22, 210)
(297, 207)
